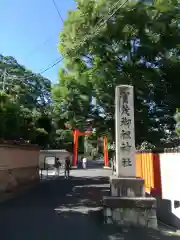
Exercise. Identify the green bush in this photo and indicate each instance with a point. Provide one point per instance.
(177, 119)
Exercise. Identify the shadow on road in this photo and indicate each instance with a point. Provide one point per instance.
(64, 209)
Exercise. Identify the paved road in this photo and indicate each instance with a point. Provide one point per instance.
(64, 209)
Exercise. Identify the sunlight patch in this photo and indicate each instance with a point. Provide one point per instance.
(80, 209)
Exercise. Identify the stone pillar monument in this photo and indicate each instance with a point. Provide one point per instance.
(125, 136)
(127, 204)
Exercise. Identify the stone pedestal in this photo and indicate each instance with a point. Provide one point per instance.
(127, 187)
(128, 211)
(128, 205)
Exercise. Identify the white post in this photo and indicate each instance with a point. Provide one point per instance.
(125, 134)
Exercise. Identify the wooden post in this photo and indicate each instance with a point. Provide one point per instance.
(76, 135)
(106, 164)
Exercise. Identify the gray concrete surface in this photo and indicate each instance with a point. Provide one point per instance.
(65, 209)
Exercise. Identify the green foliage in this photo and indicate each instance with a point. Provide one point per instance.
(72, 98)
(177, 119)
(24, 104)
(139, 45)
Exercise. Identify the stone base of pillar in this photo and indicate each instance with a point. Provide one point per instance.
(128, 211)
(128, 205)
(121, 187)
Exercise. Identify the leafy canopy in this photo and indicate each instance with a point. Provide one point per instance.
(138, 45)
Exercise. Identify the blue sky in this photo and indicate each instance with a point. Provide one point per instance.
(29, 31)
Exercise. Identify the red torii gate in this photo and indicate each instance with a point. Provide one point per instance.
(77, 134)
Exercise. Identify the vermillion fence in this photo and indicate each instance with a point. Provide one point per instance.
(160, 170)
(148, 168)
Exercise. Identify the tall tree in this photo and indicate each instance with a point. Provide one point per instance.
(138, 45)
(26, 87)
(24, 103)
(72, 96)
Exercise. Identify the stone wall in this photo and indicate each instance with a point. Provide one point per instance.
(18, 166)
(16, 156)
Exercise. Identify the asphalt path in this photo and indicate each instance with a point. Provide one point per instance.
(66, 209)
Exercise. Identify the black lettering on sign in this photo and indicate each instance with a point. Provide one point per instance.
(126, 135)
(125, 109)
(126, 162)
(126, 122)
(124, 100)
(124, 96)
(126, 146)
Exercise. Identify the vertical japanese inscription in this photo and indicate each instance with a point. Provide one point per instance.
(125, 128)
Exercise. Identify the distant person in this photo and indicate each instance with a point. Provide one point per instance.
(81, 162)
(67, 167)
(84, 162)
(57, 166)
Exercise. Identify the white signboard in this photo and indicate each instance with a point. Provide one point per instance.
(50, 160)
(125, 139)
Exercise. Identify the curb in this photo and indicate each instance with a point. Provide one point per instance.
(167, 229)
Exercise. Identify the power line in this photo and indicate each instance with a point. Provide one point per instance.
(57, 9)
(87, 36)
(103, 23)
(36, 48)
(49, 38)
(110, 10)
(52, 65)
(61, 59)
(97, 31)
(55, 62)
(33, 74)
